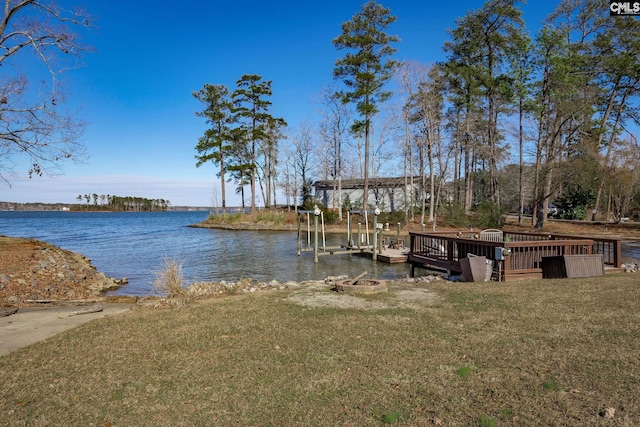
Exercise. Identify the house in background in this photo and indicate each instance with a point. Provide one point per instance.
(389, 194)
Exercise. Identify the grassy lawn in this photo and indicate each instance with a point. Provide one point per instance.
(547, 352)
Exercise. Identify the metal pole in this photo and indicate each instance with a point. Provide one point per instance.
(299, 236)
(375, 237)
(349, 234)
(316, 213)
(376, 212)
(324, 240)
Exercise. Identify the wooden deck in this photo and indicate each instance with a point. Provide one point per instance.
(388, 255)
(517, 256)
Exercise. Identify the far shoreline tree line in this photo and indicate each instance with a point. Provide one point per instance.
(106, 202)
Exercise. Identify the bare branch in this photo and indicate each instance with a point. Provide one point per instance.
(33, 124)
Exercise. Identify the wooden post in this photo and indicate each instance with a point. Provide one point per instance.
(450, 256)
(506, 264)
(359, 234)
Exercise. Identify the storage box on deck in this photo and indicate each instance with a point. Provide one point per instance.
(476, 268)
(570, 266)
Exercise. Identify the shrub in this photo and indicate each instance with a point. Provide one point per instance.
(310, 203)
(331, 217)
(233, 218)
(488, 215)
(454, 215)
(393, 218)
(169, 280)
(270, 218)
(575, 212)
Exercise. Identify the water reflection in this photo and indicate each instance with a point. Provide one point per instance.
(232, 255)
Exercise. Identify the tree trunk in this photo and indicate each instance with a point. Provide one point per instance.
(365, 195)
(432, 184)
(521, 166)
(423, 182)
(609, 147)
(468, 181)
(407, 149)
(222, 186)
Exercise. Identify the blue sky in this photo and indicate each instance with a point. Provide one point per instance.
(135, 90)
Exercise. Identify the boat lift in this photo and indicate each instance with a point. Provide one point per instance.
(363, 241)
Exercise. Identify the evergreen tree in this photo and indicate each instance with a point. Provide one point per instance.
(366, 68)
(482, 41)
(251, 102)
(215, 144)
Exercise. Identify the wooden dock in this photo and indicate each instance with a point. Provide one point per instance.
(511, 255)
(515, 255)
(392, 256)
(388, 255)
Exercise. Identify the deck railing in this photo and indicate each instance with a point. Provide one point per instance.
(523, 252)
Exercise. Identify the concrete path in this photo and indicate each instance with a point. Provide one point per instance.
(33, 324)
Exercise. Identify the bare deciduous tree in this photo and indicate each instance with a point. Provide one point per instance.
(334, 130)
(303, 161)
(34, 126)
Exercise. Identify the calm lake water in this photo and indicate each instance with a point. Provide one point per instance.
(135, 244)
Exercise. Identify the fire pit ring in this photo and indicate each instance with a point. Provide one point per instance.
(362, 286)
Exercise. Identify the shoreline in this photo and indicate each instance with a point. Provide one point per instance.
(623, 231)
(33, 272)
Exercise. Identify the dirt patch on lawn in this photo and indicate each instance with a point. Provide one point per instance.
(399, 295)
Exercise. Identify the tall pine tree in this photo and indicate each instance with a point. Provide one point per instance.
(215, 145)
(251, 107)
(366, 68)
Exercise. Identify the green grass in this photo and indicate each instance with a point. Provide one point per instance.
(552, 352)
(233, 218)
(487, 422)
(262, 218)
(551, 385)
(465, 371)
(270, 218)
(392, 417)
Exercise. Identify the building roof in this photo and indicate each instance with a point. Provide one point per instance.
(350, 184)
